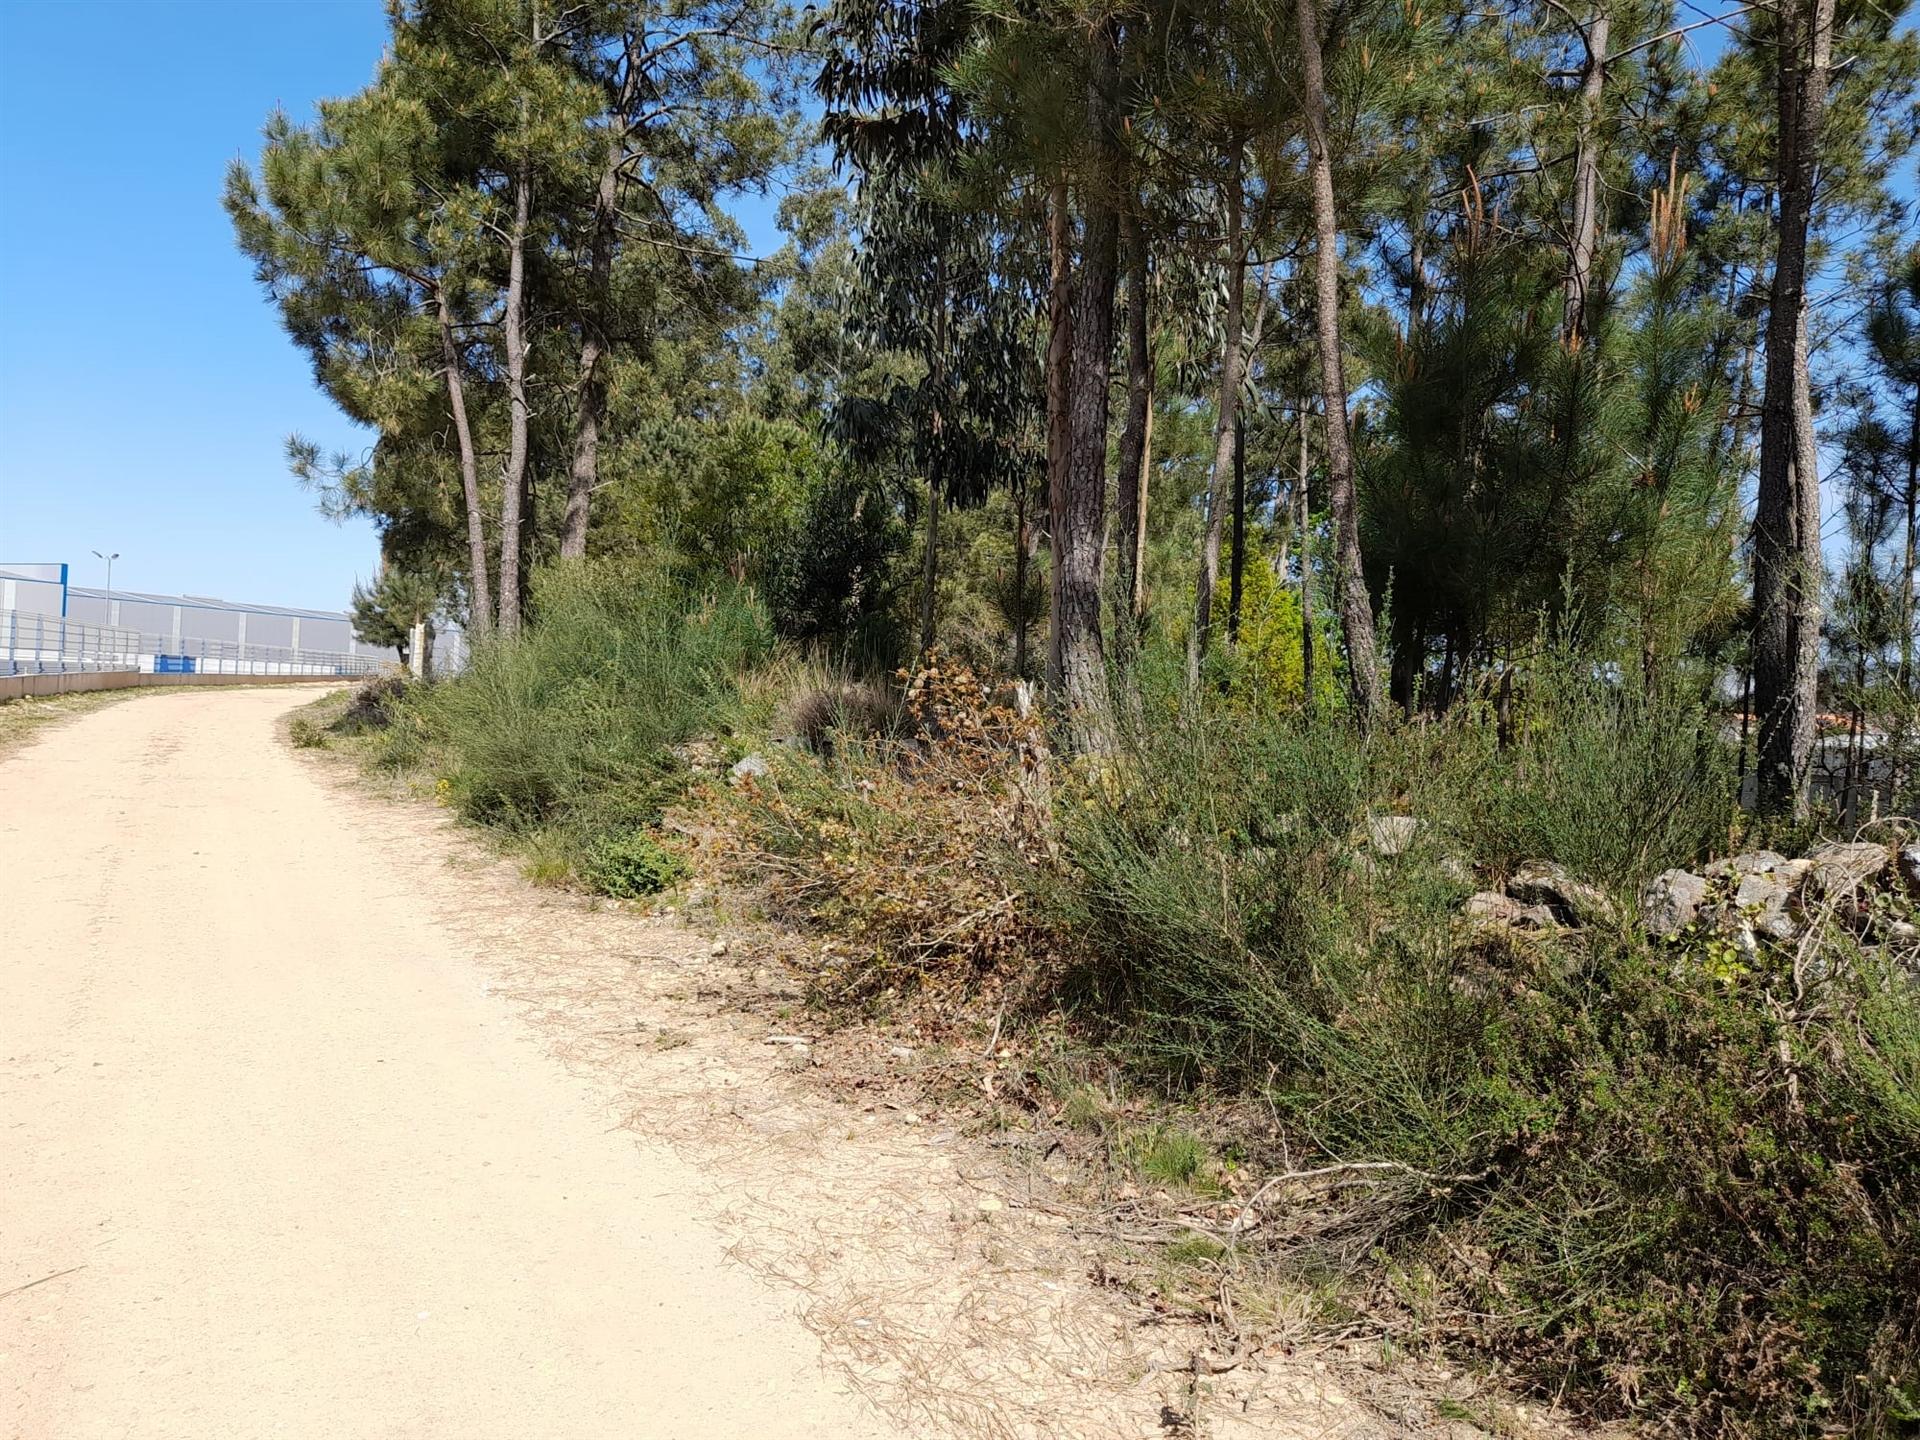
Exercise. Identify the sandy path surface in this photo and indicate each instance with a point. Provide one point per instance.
(317, 1120)
(273, 1160)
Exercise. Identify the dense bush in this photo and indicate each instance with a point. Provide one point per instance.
(630, 864)
(1691, 1193)
(571, 728)
(366, 709)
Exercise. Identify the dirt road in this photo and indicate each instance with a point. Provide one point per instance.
(274, 1160)
(317, 1120)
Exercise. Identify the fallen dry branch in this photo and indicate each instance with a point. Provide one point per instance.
(1356, 1172)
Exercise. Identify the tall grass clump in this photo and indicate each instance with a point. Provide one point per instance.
(1661, 1184)
(572, 729)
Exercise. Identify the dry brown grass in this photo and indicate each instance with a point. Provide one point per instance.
(24, 718)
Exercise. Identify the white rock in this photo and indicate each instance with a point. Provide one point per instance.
(1754, 862)
(1489, 907)
(1392, 834)
(1671, 901)
(1574, 902)
(1841, 867)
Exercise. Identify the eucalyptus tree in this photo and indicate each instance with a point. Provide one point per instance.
(941, 278)
(1029, 102)
(932, 289)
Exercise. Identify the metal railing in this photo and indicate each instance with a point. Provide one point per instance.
(33, 644)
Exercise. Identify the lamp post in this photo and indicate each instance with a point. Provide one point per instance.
(109, 559)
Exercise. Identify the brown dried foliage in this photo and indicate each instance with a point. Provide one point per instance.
(902, 858)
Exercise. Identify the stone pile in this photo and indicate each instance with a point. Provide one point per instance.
(1868, 888)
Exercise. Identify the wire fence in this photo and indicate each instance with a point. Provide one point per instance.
(32, 644)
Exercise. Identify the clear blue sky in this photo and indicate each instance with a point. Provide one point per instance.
(146, 388)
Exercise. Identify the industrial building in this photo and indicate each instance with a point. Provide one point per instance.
(175, 631)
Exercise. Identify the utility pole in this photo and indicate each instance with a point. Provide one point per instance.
(109, 559)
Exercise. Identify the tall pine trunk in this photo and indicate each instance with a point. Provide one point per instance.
(1350, 582)
(585, 472)
(1303, 521)
(1207, 575)
(1586, 181)
(1237, 564)
(1059, 380)
(513, 480)
(1906, 575)
(1786, 530)
(480, 618)
(1079, 545)
(1136, 434)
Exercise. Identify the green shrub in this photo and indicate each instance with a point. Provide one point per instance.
(630, 865)
(573, 721)
(307, 732)
(570, 729)
(830, 574)
(1265, 665)
(1171, 1156)
(1615, 781)
(1691, 1195)
(343, 714)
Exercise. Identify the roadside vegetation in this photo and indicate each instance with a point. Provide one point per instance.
(1262, 566)
(22, 718)
(1666, 1175)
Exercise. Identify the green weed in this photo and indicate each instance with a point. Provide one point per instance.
(1693, 1194)
(630, 865)
(571, 732)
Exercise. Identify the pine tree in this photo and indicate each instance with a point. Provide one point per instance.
(1786, 575)
(366, 241)
(1893, 342)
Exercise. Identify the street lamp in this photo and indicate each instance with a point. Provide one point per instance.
(109, 559)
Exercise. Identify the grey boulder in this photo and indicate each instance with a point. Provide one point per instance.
(1671, 901)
